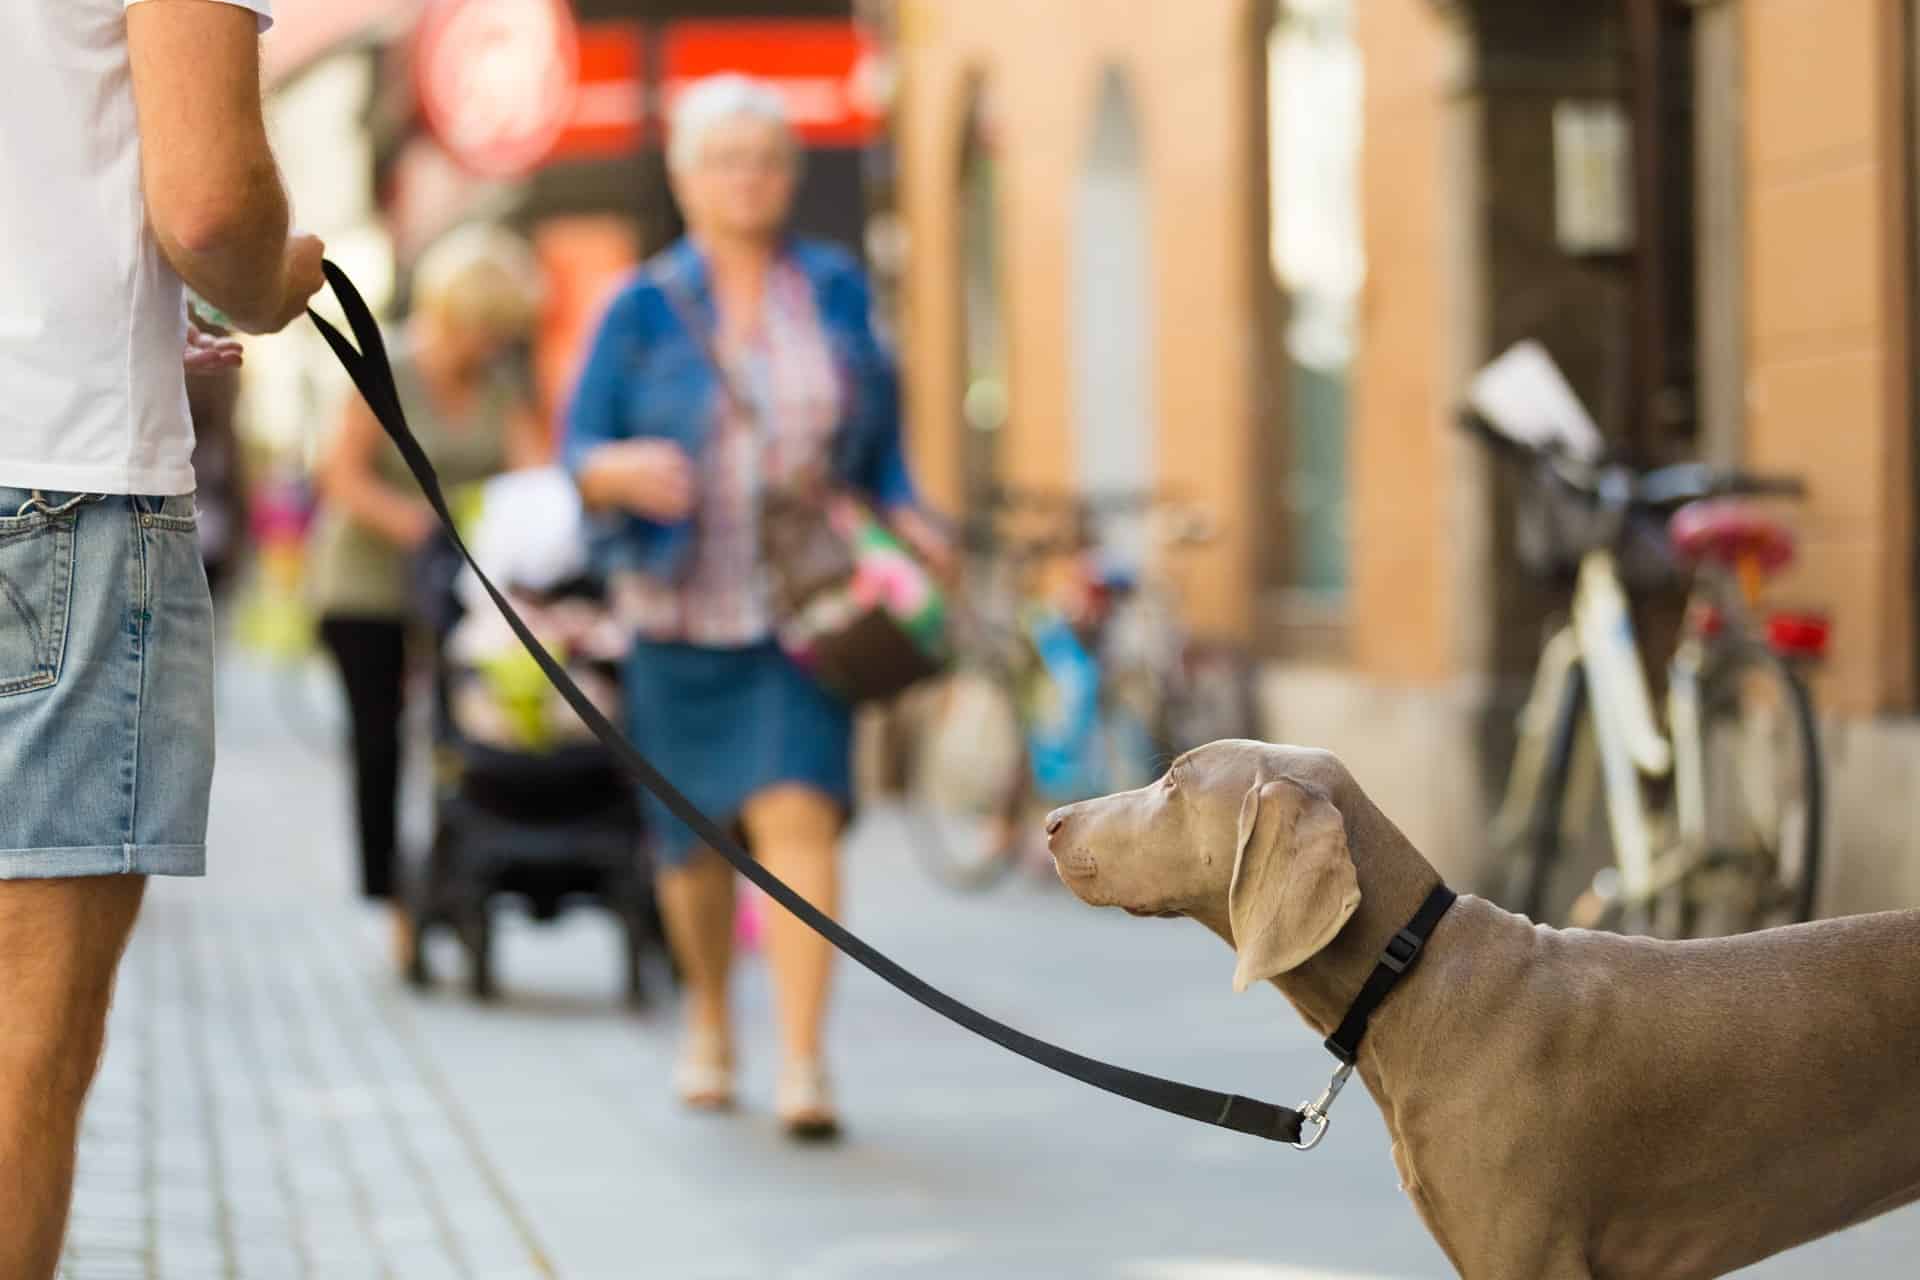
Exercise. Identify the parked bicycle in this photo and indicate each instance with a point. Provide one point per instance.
(1062, 695)
(1716, 820)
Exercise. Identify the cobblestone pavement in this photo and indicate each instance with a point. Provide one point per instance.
(276, 1106)
(267, 1110)
(264, 1119)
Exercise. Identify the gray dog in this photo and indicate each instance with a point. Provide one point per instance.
(1562, 1104)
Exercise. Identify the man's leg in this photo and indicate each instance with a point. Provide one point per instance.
(60, 943)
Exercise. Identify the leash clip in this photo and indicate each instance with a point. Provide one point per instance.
(1315, 1113)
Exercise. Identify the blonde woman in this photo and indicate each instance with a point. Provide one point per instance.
(476, 294)
(673, 466)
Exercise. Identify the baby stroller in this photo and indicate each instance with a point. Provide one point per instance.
(526, 802)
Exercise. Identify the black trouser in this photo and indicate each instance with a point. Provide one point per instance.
(372, 655)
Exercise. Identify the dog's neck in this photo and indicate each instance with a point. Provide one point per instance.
(1394, 880)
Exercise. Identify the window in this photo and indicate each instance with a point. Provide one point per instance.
(1314, 114)
(983, 313)
(1112, 318)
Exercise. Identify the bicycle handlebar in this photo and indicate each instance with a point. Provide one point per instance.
(1618, 485)
(1169, 522)
(1005, 498)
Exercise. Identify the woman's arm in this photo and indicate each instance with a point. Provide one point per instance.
(650, 478)
(614, 471)
(347, 478)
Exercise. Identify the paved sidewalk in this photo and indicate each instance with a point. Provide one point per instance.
(276, 1106)
(267, 1108)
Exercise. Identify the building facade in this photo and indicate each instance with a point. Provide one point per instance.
(1108, 202)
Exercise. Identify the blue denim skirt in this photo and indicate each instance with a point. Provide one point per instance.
(106, 687)
(726, 724)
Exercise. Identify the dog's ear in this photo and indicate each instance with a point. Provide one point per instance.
(1293, 881)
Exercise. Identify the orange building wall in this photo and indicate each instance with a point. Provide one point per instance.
(1200, 131)
(1403, 626)
(1827, 359)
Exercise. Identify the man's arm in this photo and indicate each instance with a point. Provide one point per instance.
(214, 196)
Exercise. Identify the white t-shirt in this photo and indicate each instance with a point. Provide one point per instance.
(92, 321)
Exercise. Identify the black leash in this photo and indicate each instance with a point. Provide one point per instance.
(372, 373)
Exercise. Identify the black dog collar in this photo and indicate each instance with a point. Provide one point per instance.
(1403, 950)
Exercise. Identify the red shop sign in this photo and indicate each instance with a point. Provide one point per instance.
(609, 109)
(826, 70)
(498, 80)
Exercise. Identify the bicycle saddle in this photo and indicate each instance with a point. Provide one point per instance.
(1730, 532)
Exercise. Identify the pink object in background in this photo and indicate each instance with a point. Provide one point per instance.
(748, 924)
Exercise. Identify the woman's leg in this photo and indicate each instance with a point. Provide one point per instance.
(371, 654)
(696, 903)
(795, 833)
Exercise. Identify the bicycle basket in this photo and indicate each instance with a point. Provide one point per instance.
(1555, 525)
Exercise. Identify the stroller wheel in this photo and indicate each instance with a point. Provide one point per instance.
(636, 976)
(419, 976)
(641, 936)
(653, 931)
(479, 938)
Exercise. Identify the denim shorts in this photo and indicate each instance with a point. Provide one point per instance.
(106, 687)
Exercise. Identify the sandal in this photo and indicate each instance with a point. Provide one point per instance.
(704, 1078)
(804, 1102)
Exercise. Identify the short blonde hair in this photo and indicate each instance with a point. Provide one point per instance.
(708, 103)
(480, 277)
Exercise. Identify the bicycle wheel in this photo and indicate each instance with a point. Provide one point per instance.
(1213, 697)
(971, 783)
(1130, 755)
(1764, 798)
(1533, 852)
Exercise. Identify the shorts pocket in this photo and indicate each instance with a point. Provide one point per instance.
(36, 587)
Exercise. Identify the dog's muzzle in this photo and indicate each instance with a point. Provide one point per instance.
(1077, 863)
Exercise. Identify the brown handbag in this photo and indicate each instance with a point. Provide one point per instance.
(804, 554)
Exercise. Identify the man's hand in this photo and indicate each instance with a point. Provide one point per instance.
(207, 353)
(300, 277)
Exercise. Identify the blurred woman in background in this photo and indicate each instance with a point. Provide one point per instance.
(675, 459)
(477, 295)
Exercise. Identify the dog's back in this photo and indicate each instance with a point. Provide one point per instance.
(1714, 1102)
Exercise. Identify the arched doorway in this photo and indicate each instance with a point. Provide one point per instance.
(1111, 303)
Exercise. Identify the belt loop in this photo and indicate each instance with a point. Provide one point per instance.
(39, 502)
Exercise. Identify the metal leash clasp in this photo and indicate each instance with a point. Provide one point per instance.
(1315, 1113)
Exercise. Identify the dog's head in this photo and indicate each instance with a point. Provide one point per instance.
(1240, 832)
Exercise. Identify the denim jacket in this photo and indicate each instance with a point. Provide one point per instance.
(648, 378)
